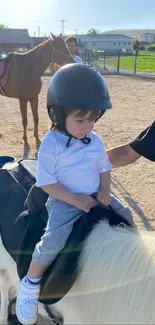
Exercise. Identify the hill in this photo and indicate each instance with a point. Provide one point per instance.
(130, 32)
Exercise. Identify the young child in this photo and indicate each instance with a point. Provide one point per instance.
(72, 165)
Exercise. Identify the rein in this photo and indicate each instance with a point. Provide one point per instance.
(52, 55)
(57, 51)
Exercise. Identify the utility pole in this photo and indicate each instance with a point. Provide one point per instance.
(63, 26)
(76, 30)
(38, 31)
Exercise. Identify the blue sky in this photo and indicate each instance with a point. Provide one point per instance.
(80, 14)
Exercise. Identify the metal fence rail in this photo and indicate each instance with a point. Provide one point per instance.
(115, 62)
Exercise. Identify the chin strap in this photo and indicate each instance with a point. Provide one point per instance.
(85, 140)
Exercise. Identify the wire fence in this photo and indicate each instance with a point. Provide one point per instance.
(114, 62)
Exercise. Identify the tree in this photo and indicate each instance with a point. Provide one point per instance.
(3, 26)
(93, 31)
(136, 45)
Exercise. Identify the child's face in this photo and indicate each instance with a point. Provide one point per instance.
(79, 126)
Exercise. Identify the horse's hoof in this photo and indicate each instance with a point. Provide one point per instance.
(38, 143)
(26, 150)
(26, 142)
(26, 145)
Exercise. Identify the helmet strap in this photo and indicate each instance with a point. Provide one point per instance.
(85, 140)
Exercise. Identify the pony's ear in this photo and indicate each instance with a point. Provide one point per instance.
(53, 36)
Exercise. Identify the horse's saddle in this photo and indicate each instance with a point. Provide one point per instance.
(21, 237)
(5, 60)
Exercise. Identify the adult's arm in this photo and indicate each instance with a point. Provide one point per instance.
(142, 145)
(122, 156)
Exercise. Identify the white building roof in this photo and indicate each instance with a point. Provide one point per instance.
(103, 37)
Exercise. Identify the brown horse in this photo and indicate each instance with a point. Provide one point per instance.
(24, 76)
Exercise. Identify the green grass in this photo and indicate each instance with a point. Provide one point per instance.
(144, 63)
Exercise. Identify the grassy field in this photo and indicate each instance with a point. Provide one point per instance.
(145, 63)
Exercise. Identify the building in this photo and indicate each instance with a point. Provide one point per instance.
(35, 41)
(147, 38)
(104, 42)
(14, 40)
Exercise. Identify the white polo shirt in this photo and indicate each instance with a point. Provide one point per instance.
(77, 59)
(77, 167)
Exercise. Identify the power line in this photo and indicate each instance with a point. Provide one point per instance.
(29, 22)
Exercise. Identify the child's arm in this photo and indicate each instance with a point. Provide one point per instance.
(103, 195)
(83, 202)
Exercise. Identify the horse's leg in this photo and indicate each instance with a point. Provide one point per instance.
(34, 107)
(23, 109)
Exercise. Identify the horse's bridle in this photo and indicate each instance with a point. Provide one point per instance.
(57, 51)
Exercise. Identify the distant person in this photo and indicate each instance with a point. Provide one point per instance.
(72, 43)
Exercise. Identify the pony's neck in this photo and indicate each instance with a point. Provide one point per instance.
(41, 58)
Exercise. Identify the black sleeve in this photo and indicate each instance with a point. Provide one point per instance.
(144, 144)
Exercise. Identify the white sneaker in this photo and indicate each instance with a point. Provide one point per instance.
(27, 302)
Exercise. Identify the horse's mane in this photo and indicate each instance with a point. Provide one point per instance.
(116, 278)
(124, 245)
(34, 49)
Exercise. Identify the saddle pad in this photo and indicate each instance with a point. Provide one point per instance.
(30, 165)
(14, 187)
(12, 198)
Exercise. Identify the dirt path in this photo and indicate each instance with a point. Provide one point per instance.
(133, 109)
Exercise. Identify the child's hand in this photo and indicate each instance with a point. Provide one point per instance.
(84, 202)
(104, 197)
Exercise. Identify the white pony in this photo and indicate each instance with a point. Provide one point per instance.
(116, 280)
(9, 281)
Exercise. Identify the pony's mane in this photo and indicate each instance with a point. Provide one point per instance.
(39, 46)
(116, 277)
(112, 242)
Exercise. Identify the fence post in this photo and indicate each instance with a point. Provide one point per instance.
(104, 59)
(88, 57)
(85, 56)
(118, 62)
(136, 56)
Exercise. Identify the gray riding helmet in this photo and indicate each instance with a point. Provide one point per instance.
(78, 86)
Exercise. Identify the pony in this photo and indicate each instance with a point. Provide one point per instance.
(115, 279)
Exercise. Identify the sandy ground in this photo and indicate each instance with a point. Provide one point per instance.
(133, 109)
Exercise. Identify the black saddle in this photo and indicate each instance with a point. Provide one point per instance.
(4, 62)
(5, 56)
(62, 273)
